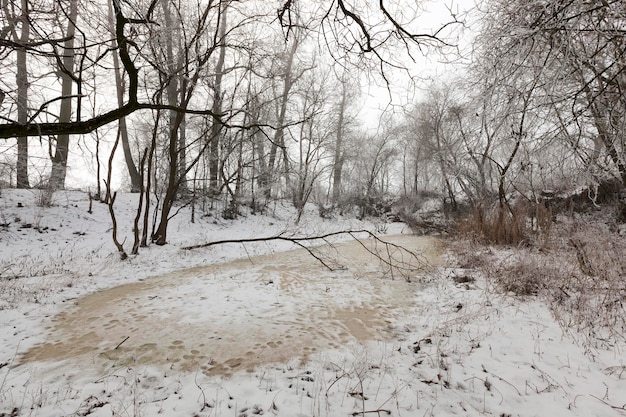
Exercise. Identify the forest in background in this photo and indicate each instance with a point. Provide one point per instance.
(504, 134)
(227, 103)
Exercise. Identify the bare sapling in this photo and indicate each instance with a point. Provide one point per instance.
(142, 195)
(110, 201)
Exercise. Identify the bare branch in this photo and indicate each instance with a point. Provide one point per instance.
(359, 22)
(391, 255)
(31, 45)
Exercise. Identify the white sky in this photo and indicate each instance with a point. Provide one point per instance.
(402, 90)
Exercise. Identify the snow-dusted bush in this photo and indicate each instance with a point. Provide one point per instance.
(579, 270)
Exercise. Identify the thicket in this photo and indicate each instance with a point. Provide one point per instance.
(569, 251)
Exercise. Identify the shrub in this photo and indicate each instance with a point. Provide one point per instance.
(527, 276)
(579, 271)
(44, 197)
(495, 226)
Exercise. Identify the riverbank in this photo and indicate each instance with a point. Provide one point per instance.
(460, 347)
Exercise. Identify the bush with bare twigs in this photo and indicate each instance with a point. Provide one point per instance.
(592, 299)
(579, 270)
(497, 226)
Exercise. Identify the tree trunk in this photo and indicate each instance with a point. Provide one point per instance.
(146, 216)
(59, 160)
(606, 133)
(338, 159)
(258, 147)
(110, 200)
(183, 187)
(216, 126)
(174, 122)
(172, 184)
(279, 140)
(135, 177)
(138, 214)
(22, 99)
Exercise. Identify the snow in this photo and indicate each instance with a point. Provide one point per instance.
(320, 343)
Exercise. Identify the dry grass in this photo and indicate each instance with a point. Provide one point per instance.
(592, 300)
(579, 268)
(504, 225)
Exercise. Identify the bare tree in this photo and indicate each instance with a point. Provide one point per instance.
(66, 70)
(346, 98)
(313, 137)
(172, 70)
(436, 128)
(579, 49)
(353, 33)
(371, 166)
(190, 69)
(216, 126)
(183, 61)
(288, 75)
(135, 179)
(129, 54)
(22, 89)
(16, 31)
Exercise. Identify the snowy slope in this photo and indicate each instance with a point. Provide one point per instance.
(430, 347)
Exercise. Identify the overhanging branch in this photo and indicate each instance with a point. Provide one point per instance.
(14, 129)
(392, 256)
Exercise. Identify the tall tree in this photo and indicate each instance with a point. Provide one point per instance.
(339, 155)
(22, 94)
(288, 78)
(135, 177)
(17, 31)
(313, 137)
(174, 66)
(192, 66)
(216, 125)
(66, 70)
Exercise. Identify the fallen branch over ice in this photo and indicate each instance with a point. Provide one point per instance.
(390, 254)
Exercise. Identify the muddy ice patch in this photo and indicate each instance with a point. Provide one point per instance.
(238, 315)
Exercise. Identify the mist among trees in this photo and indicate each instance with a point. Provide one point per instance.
(224, 104)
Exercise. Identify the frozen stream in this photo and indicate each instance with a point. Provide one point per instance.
(238, 315)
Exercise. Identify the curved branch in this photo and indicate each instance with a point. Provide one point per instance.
(33, 44)
(391, 255)
(413, 36)
(359, 22)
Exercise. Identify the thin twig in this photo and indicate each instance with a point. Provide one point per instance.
(506, 382)
(120, 344)
(380, 410)
(623, 407)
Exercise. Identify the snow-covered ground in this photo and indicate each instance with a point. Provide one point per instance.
(324, 343)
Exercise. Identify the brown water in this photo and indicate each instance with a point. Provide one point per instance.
(241, 314)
